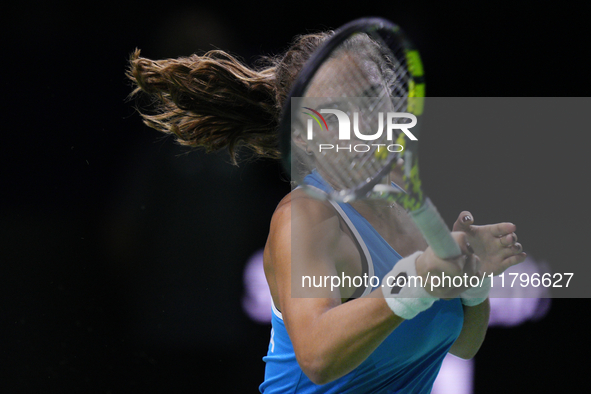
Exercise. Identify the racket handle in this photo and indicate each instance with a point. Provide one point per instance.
(435, 231)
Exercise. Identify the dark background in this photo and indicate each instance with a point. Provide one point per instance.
(122, 254)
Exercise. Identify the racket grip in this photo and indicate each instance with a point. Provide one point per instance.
(435, 231)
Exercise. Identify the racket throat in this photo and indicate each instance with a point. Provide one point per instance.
(385, 189)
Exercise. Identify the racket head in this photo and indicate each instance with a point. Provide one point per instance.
(367, 70)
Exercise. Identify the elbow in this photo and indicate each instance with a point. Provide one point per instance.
(317, 377)
(465, 355)
(316, 369)
(465, 352)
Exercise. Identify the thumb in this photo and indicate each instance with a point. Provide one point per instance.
(464, 222)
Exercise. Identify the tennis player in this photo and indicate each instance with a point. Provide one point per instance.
(349, 339)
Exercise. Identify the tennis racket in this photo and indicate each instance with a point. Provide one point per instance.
(353, 117)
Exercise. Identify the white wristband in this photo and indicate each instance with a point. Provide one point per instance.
(476, 295)
(403, 289)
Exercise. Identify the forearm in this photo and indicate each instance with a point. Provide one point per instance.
(341, 338)
(473, 330)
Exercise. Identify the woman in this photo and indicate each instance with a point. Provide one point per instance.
(347, 339)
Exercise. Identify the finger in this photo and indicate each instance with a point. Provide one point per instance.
(514, 260)
(472, 266)
(464, 221)
(509, 239)
(517, 248)
(512, 250)
(462, 240)
(501, 229)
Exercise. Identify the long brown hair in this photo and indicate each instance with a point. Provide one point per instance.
(217, 102)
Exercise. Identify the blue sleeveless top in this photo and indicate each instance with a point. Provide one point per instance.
(407, 361)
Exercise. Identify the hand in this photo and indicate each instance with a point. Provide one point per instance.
(428, 265)
(495, 244)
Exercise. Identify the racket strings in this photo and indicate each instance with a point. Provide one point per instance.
(356, 167)
(364, 80)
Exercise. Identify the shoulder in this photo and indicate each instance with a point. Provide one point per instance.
(315, 225)
(299, 205)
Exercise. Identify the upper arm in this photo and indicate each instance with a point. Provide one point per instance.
(305, 240)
